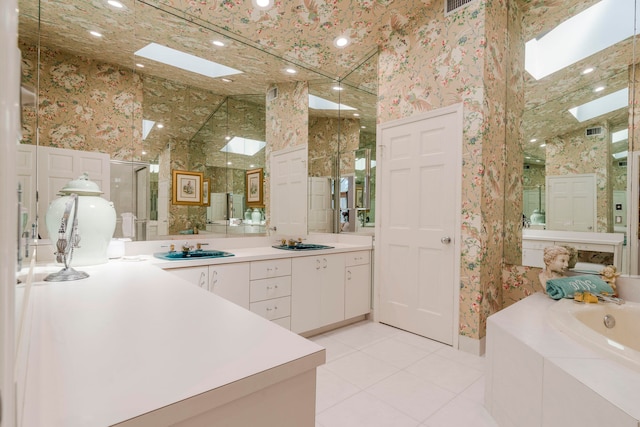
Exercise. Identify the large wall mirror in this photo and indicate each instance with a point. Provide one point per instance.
(578, 82)
(101, 91)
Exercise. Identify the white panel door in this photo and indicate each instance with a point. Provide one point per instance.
(571, 202)
(419, 175)
(26, 169)
(58, 166)
(320, 212)
(289, 191)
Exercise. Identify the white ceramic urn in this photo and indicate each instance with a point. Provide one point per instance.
(96, 221)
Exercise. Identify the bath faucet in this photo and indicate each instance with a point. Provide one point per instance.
(200, 245)
(607, 298)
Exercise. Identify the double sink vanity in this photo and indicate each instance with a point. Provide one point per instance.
(150, 341)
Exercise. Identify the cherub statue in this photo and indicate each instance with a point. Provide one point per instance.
(609, 274)
(556, 262)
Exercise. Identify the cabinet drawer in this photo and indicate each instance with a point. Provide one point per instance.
(275, 287)
(358, 258)
(272, 308)
(270, 268)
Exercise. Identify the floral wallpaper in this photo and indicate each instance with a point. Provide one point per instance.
(83, 104)
(328, 136)
(430, 61)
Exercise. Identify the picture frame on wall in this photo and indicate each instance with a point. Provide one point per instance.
(254, 192)
(206, 192)
(187, 187)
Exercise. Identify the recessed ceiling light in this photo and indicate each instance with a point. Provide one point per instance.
(587, 70)
(229, 163)
(218, 43)
(252, 166)
(356, 115)
(226, 80)
(341, 42)
(533, 140)
(599, 89)
(160, 125)
(538, 160)
(95, 33)
(115, 3)
(527, 157)
(144, 152)
(290, 71)
(227, 137)
(543, 145)
(263, 4)
(140, 65)
(363, 127)
(337, 88)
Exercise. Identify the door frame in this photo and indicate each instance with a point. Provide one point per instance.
(457, 109)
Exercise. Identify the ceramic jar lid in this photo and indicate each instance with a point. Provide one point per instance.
(82, 186)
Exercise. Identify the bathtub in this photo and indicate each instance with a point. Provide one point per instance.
(586, 323)
(546, 367)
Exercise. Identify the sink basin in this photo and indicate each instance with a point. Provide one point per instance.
(303, 247)
(197, 254)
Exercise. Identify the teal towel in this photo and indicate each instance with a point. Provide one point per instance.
(565, 287)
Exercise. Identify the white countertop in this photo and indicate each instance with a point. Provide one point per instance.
(132, 338)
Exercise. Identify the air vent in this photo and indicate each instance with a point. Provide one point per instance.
(453, 5)
(594, 131)
(272, 94)
(622, 163)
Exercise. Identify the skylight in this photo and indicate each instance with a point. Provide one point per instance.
(317, 103)
(600, 26)
(602, 105)
(147, 125)
(620, 135)
(185, 61)
(244, 146)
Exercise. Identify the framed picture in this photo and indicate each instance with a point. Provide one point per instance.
(254, 191)
(187, 188)
(206, 185)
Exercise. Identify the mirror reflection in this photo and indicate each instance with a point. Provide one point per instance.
(102, 92)
(576, 115)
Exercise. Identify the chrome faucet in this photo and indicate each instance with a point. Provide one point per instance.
(607, 298)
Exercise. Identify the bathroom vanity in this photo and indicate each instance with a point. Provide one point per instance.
(141, 343)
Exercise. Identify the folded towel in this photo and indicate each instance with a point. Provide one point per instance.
(565, 287)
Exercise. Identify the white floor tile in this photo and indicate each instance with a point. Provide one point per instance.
(471, 360)
(335, 349)
(362, 334)
(475, 391)
(413, 396)
(420, 342)
(461, 412)
(395, 352)
(364, 410)
(445, 373)
(331, 389)
(361, 369)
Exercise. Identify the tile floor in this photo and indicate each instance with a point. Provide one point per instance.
(379, 376)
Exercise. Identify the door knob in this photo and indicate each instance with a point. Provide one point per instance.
(446, 240)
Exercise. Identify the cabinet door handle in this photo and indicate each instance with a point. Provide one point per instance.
(325, 263)
(317, 264)
(348, 274)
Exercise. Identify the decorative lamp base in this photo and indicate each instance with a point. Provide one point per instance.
(66, 275)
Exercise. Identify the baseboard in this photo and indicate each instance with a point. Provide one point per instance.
(471, 345)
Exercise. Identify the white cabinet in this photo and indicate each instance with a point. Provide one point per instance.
(270, 290)
(230, 281)
(317, 291)
(197, 275)
(357, 287)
